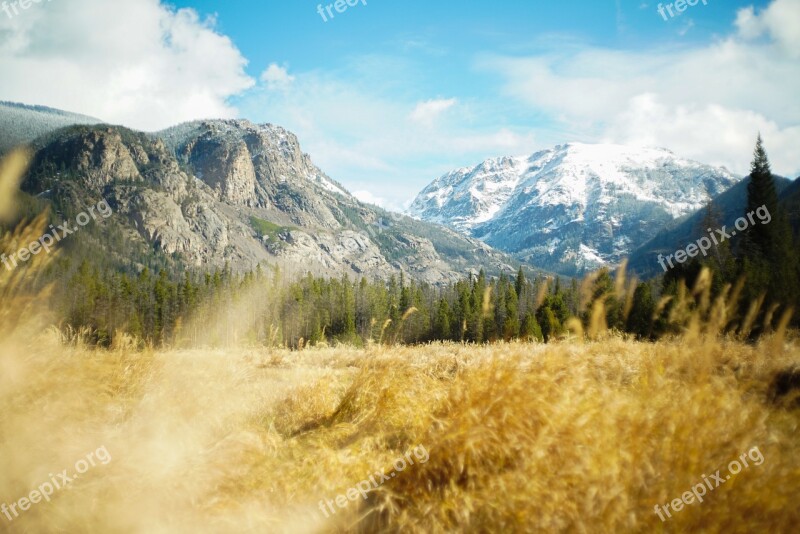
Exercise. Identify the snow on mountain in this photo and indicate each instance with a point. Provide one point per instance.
(574, 207)
(469, 196)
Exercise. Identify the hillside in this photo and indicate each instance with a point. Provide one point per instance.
(22, 124)
(676, 235)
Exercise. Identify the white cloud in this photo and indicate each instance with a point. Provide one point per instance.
(709, 133)
(706, 102)
(277, 77)
(780, 20)
(428, 111)
(750, 26)
(137, 63)
(364, 139)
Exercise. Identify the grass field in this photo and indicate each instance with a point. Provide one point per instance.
(520, 437)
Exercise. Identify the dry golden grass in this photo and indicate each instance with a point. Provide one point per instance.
(521, 437)
(567, 437)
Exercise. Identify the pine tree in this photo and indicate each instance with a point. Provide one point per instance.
(531, 331)
(640, 320)
(760, 192)
(521, 283)
(475, 324)
(511, 325)
(551, 327)
(769, 261)
(442, 329)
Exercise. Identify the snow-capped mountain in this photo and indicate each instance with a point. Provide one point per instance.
(572, 208)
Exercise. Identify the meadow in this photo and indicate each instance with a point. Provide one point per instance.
(521, 437)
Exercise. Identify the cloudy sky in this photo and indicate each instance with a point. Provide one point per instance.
(390, 94)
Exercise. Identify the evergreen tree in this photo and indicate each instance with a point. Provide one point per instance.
(442, 329)
(521, 283)
(550, 326)
(640, 320)
(760, 192)
(531, 331)
(769, 260)
(475, 321)
(511, 326)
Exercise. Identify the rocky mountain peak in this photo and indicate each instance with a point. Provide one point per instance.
(573, 207)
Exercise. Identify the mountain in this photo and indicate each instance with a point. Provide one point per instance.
(21, 123)
(574, 207)
(229, 192)
(728, 207)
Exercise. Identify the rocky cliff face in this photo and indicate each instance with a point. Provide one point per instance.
(258, 166)
(99, 156)
(217, 192)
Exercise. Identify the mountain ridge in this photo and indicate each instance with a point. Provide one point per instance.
(574, 207)
(219, 193)
(23, 123)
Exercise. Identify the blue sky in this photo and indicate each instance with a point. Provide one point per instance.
(422, 31)
(389, 95)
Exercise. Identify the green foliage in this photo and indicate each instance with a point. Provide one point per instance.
(551, 327)
(531, 331)
(154, 306)
(268, 230)
(640, 319)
